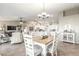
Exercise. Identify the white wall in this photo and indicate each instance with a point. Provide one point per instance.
(9, 22)
(73, 20)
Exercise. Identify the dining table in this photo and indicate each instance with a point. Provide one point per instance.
(44, 43)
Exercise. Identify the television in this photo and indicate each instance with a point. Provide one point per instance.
(11, 27)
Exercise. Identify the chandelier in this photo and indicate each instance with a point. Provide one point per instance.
(21, 22)
(43, 15)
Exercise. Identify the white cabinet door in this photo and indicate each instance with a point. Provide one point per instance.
(69, 37)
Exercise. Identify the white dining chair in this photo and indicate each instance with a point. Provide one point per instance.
(31, 49)
(53, 47)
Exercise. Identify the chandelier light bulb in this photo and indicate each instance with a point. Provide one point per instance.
(48, 16)
(39, 15)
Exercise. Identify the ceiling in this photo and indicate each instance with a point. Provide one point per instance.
(12, 11)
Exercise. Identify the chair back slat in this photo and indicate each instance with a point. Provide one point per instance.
(28, 44)
(55, 42)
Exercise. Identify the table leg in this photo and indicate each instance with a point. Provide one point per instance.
(44, 52)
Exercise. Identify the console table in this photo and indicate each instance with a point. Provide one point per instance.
(69, 37)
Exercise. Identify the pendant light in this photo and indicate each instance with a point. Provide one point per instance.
(43, 15)
(21, 22)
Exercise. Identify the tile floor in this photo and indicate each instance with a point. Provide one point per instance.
(65, 49)
(7, 49)
(68, 49)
